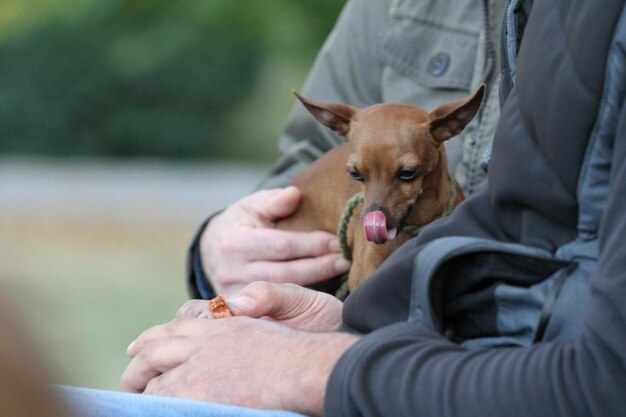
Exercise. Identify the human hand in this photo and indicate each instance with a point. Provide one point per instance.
(289, 304)
(240, 245)
(235, 361)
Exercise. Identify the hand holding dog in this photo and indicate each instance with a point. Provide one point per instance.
(241, 245)
(289, 304)
(234, 361)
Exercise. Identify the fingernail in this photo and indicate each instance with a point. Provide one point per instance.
(240, 302)
(333, 246)
(130, 347)
(341, 265)
(291, 188)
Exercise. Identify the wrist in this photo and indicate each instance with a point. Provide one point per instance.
(319, 354)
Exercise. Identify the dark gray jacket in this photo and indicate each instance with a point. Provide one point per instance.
(562, 117)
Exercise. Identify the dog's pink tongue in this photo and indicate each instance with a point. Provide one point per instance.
(375, 226)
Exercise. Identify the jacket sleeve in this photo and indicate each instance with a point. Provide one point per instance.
(336, 76)
(406, 370)
(198, 285)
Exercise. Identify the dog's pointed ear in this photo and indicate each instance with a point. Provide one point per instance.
(335, 116)
(450, 119)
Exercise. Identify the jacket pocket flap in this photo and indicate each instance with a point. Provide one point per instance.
(427, 53)
(474, 282)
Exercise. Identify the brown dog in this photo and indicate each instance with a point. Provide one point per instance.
(395, 156)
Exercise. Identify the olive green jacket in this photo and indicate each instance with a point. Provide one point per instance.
(423, 52)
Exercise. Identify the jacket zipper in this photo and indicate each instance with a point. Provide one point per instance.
(489, 51)
(505, 47)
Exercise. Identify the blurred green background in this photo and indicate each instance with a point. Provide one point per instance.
(174, 79)
(123, 123)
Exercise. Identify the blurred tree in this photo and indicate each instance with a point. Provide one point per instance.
(147, 77)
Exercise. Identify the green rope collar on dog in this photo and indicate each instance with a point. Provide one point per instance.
(346, 214)
(344, 220)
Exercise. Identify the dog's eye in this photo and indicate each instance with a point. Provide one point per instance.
(407, 174)
(355, 174)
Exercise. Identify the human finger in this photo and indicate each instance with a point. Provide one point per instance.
(177, 327)
(277, 301)
(290, 304)
(266, 206)
(267, 244)
(306, 271)
(164, 385)
(193, 309)
(155, 357)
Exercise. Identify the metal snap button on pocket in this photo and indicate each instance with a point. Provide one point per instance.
(439, 64)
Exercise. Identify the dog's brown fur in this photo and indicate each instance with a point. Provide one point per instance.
(384, 141)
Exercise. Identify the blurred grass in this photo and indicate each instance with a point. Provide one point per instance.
(91, 289)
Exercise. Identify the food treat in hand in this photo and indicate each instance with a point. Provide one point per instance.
(218, 307)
